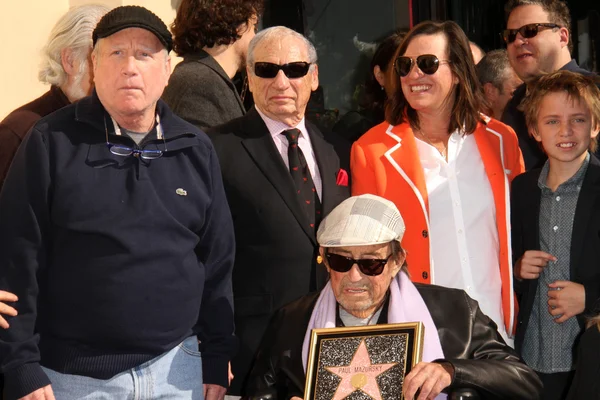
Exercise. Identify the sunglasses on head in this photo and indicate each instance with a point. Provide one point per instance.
(427, 63)
(291, 70)
(527, 31)
(370, 267)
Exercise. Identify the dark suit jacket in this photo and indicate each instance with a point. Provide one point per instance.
(200, 92)
(275, 260)
(16, 125)
(585, 239)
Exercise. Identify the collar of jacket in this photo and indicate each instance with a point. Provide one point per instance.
(204, 58)
(59, 95)
(178, 134)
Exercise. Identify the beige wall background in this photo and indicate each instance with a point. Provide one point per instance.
(24, 29)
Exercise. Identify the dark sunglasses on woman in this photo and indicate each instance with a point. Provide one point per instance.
(427, 63)
(370, 267)
(291, 70)
(527, 31)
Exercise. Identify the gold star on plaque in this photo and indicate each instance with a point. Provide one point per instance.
(360, 375)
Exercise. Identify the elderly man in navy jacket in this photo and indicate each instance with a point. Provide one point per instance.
(117, 238)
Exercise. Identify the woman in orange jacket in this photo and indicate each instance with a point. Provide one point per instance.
(447, 168)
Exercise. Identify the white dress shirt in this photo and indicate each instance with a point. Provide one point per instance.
(281, 143)
(463, 231)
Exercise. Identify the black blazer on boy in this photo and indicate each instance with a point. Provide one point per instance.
(585, 240)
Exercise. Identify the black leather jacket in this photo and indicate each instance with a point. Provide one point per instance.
(469, 339)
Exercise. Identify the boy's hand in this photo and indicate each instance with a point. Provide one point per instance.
(531, 264)
(44, 393)
(5, 309)
(566, 299)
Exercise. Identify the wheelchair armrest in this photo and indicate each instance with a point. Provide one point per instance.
(464, 394)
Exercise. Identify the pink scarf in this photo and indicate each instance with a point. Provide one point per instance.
(406, 305)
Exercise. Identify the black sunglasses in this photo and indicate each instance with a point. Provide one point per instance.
(527, 31)
(291, 70)
(427, 63)
(370, 267)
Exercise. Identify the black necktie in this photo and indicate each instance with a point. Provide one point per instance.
(305, 187)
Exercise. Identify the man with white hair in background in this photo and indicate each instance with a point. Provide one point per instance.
(498, 80)
(66, 66)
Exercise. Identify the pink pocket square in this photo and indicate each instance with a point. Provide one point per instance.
(342, 178)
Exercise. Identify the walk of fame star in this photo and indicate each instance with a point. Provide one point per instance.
(361, 375)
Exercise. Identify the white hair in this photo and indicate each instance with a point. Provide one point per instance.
(279, 32)
(72, 31)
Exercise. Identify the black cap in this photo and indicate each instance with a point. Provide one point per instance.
(132, 17)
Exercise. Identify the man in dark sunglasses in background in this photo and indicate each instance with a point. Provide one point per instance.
(538, 41)
(117, 239)
(280, 177)
(360, 249)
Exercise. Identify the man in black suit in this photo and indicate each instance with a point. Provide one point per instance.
(281, 177)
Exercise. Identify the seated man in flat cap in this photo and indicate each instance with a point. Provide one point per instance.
(360, 247)
(117, 239)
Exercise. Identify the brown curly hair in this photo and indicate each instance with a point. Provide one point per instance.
(209, 23)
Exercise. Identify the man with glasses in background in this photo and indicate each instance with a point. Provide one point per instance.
(280, 177)
(360, 249)
(117, 239)
(538, 41)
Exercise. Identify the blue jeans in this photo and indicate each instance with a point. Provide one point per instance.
(174, 375)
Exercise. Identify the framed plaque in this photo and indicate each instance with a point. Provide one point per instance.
(362, 362)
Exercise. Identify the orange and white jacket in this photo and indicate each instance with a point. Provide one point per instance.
(385, 162)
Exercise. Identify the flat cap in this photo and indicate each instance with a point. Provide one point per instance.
(361, 221)
(132, 17)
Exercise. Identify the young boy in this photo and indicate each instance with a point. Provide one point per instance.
(556, 227)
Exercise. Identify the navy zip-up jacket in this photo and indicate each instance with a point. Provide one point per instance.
(115, 260)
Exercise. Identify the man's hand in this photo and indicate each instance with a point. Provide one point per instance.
(296, 398)
(230, 374)
(5, 308)
(214, 392)
(44, 393)
(531, 264)
(566, 299)
(431, 378)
